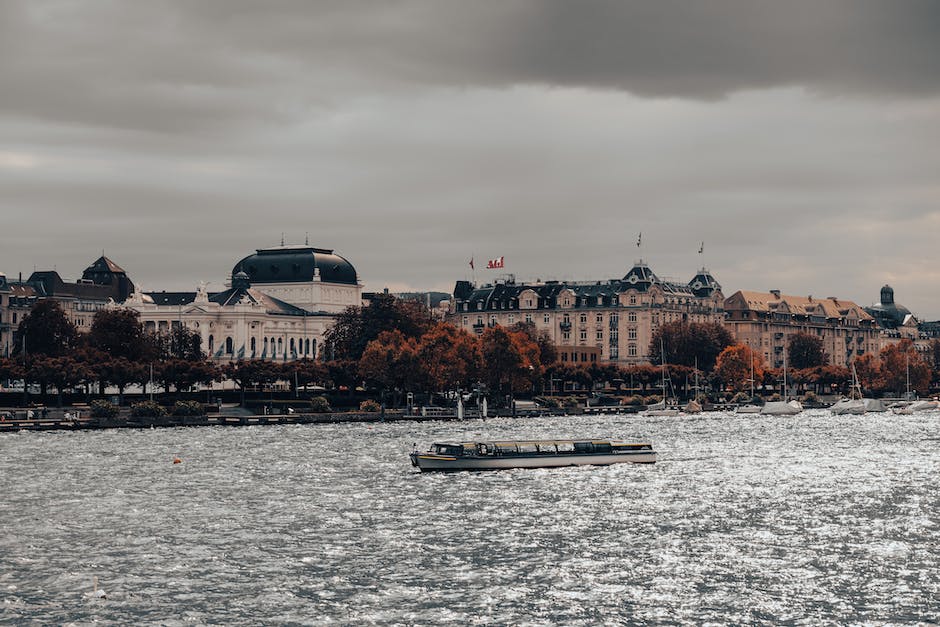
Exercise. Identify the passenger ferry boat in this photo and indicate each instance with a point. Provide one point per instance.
(531, 454)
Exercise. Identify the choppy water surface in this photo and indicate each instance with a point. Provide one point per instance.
(809, 519)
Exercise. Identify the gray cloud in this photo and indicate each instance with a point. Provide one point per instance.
(799, 140)
(203, 66)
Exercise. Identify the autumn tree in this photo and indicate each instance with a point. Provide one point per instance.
(66, 373)
(511, 359)
(119, 333)
(687, 343)
(805, 350)
(737, 365)
(250, 373)
(45, 330)
(304, 372)
(185, 373)
(548, 354)
(901, 363)
(357, 326)
(180, 342)
(451, 357)
(10, 369)
(120, 372)
(868, 369)
(391, 362)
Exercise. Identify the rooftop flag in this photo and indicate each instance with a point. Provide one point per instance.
(471, 263)
(639, 239)
(701, 249)
(495, 263)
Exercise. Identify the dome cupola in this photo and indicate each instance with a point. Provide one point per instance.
(296, 264)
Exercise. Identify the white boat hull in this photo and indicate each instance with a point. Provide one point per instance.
(661, 412)
(781, 408)
(427, 462)
(918, 406)
(846, 406)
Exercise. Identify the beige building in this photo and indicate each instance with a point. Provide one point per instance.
(16, 300)
(607, 321)
(764, 321)
(280, 304)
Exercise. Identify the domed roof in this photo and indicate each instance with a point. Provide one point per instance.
(888, 313)
(296, 264)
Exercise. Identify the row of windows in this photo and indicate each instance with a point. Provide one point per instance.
(583, 300)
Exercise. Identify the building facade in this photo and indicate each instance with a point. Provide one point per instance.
(609, 321)
(765, 320)
(103, 283)
(247, 321)
(16, 300)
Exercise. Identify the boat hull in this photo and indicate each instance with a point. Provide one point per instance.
(429, 462)
(781, 408)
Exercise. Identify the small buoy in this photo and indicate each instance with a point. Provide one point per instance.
(177, 460)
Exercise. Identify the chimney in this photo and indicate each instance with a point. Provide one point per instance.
(776, 294)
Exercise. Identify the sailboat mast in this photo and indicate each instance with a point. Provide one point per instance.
(907, 370)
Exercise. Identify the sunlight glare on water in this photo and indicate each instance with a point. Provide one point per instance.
(810, 519)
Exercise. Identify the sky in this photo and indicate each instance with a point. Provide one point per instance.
(796, 143)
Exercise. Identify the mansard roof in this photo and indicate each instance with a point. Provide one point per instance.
(506, 294)
(101, 265)
(771, 302)
(704, 284)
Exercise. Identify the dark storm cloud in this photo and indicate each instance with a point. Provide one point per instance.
(188, 66)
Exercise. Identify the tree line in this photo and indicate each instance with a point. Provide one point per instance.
(392, 346)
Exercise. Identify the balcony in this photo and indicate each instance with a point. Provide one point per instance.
(564, 326)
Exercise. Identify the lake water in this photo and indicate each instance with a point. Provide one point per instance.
(810, 520)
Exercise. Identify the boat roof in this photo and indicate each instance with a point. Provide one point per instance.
(473, 443)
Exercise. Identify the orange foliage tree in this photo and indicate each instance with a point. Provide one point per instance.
(733, 367)
(897, 361)
(451, 357)
(391, 362)
(868, 369)
(511, 359)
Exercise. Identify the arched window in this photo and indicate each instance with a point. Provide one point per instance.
(314, 352)
(254, 345)
(306, 347)
(228, 346)
(280, 345)
(293, 349)
(265, 349)
(211, 344)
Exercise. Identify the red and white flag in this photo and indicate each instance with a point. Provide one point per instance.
(494, 263)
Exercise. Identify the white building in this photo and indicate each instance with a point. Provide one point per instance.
(280, 304)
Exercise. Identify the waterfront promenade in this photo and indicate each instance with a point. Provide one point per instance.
(62, 420)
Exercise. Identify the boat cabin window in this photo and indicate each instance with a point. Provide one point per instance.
(583, 447)
(565, 447)
(633, 447)
(528, 447)
(602, 447)
(448, 449)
